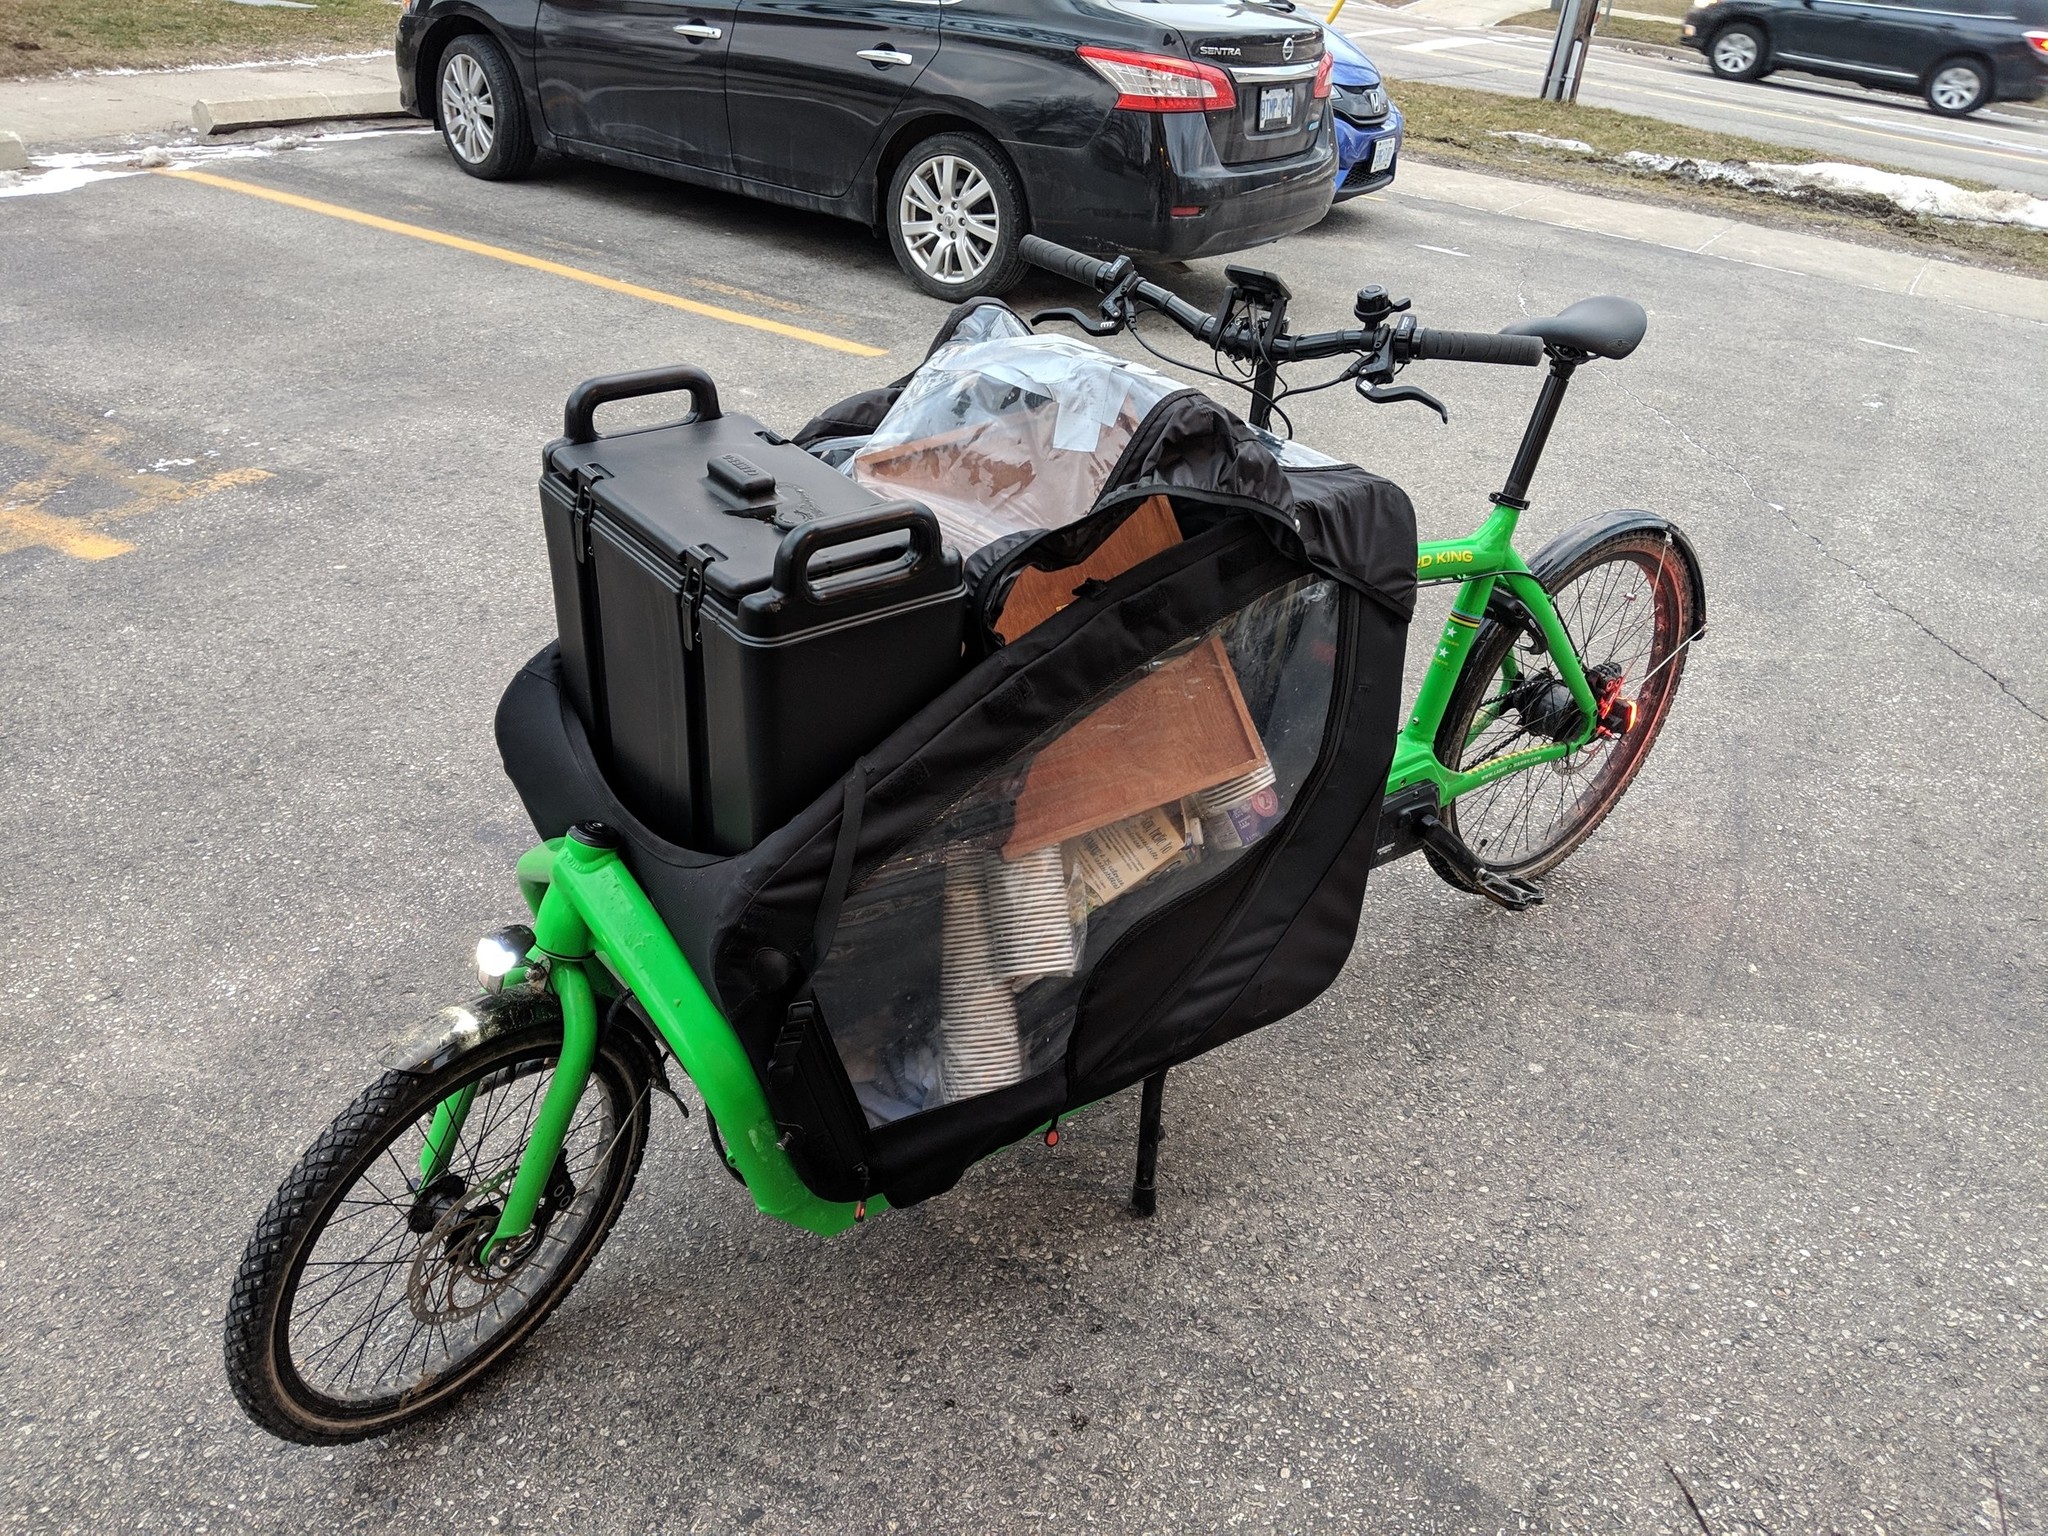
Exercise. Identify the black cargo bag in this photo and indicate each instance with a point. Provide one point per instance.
(1138, 831)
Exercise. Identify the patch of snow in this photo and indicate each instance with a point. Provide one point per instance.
(1544, 141)
(1911, 194)
(68, 172)
(193, 69)
(1917, 194)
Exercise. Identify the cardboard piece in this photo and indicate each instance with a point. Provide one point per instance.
(1037, 595)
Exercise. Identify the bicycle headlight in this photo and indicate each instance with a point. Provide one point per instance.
(499, 954)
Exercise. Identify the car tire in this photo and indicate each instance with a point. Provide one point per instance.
(955, 217)
(1959, 86)
(1739, 51)
(481, 110)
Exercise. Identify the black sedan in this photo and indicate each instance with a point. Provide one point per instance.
(1166, 127)
(1958, 54)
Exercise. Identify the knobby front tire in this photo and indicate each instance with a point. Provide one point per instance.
(358, 1306)
(1627, 602)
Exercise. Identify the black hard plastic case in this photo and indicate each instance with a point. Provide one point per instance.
(739, 621)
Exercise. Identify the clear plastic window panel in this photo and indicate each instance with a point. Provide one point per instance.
(958, 964)
(1008, 433)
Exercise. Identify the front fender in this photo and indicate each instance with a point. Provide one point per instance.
(437, 1040)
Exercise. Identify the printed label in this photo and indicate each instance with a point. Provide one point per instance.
(1123, 855)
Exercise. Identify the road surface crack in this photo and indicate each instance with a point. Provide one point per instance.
(1727, 465)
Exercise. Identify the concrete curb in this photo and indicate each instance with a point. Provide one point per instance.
(12, 156)
(226, 116)
(1724, 239)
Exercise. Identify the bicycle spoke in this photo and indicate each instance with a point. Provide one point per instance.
(1620, 617)
(381, 1308)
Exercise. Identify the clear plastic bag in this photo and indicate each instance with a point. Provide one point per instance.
(1002, 435)
(958, 964)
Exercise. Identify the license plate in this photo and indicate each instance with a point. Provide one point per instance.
(1276, 107)
(1382, 155)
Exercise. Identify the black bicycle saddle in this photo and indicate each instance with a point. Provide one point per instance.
(1605, 326)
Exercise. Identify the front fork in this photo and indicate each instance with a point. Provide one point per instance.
(561, 940)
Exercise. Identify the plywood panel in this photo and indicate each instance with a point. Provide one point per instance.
(1179, 729)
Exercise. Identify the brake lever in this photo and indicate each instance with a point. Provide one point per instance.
(1394, 394)
(1103, 327)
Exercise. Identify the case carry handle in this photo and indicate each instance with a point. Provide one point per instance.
(803, 544)
(579, 415)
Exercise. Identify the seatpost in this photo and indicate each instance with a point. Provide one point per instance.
(1516, 492)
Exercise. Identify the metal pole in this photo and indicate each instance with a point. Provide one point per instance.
(1568, 52)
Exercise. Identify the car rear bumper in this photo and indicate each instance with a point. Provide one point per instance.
(1152, 184)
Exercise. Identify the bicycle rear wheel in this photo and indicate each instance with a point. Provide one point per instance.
(1628, 604)
(360, 1303)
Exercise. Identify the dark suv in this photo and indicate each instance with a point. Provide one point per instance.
(1181, 128)
(1958, 54)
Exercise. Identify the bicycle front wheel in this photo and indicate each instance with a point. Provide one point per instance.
(1628, 604)
(362, 1301)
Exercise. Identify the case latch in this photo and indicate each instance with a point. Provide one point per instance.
(690, 595)
(581, 479)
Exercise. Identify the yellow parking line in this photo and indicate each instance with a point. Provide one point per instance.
(535, 263)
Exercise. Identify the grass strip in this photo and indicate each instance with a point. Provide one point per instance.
(1631, 29)
(1455, 125)
(48, 37)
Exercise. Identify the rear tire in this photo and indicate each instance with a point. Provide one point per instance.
(955, 216)
(482, 111)
(354, 1215)
(1739, 51)
(1957, 87)
(1627, 602)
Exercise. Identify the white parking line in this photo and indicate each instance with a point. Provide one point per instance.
(1443, 44)
(1442, 250)
(1891, 346)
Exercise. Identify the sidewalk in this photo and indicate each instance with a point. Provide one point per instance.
(1779, 250)
(73, 110)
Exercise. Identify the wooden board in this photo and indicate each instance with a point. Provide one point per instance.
(1037, 595)
(1179, 729)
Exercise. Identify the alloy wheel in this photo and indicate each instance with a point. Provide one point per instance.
(467, 109)
(1735, 52)
(949, 218)
(1956, 88)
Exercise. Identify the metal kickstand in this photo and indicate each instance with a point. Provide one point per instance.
(1145, 1187)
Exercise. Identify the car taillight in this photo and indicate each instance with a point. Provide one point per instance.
(2038, 41)
(1323, 76)
(1158, 82)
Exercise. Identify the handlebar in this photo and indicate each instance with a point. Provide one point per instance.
(1475, 347)
(1404, 340)
(1088, 271)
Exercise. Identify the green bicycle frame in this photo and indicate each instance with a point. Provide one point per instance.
(593, 923)
(591, 918)
(1477, 563)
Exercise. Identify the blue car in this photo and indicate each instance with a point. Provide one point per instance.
(1368, 122)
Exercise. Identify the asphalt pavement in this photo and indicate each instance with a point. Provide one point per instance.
(2001, 146)
(1719, 1182)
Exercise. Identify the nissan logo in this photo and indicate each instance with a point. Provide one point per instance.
(1287, 48)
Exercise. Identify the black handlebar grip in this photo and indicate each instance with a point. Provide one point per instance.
(1475, 347)
(1089, 271)
(579, 415)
